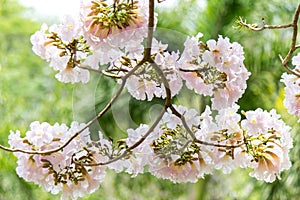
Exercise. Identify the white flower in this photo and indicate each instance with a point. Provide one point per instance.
(296, 60)
(216, 70)
(174, 156)
(292, 91)
(108, 27)
(63, 46)
(143, 154)
(57, 172)
(268, 142)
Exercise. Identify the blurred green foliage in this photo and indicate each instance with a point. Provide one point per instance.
(29, 92)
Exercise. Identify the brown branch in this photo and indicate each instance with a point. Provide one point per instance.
(188, 70)
(104, 72)
(129, 149)
(187, 128)
(165, 82)
(168, 101)
(287, 68)
(147, 51)
(293, 45)
(100, 114)
(150, 130)
(253, 27)
(219, 145)
(117, 70)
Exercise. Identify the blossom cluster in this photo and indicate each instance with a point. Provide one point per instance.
(95, 37)
(57, 171)
(178, 150)
(215, 68)
(261, 141)
(292, 89)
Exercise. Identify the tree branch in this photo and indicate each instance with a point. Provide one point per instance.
(293, 47)
(104, 72)
(147, 51)
(100, 114)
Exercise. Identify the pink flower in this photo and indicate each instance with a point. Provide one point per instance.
(102, 22)
(268, 142)
(63, 46)
(146, 83)
(142, 155)
(215, 69)
(296, 60)
(256, 122)
(57, 171)
(292, 92)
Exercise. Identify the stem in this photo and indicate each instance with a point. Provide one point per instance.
(293, 45)
(165, 82)
(147, 52)
(187, 128)
(128, 150)
(249, 26)
(104, 72)
(100, 114)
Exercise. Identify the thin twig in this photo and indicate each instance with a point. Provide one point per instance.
(293, 45)
(254, 28)
(129, 149)
(100, 114)
(188, 70)
(147, 52)
(104, 72)
(165, 82)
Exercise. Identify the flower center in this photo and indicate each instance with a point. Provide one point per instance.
(107, 19)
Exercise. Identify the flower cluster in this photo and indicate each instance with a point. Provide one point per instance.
(57, 171)
(292, 89)
(96, 37)
(184, 154)
(146, 82)
(113, 35)
(64, 47)
(214, 69)
(268, 143)
(106, 22)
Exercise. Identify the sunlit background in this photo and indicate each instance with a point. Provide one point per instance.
(53, 7)
(63, 7)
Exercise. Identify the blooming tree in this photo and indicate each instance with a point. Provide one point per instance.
(115, 40)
